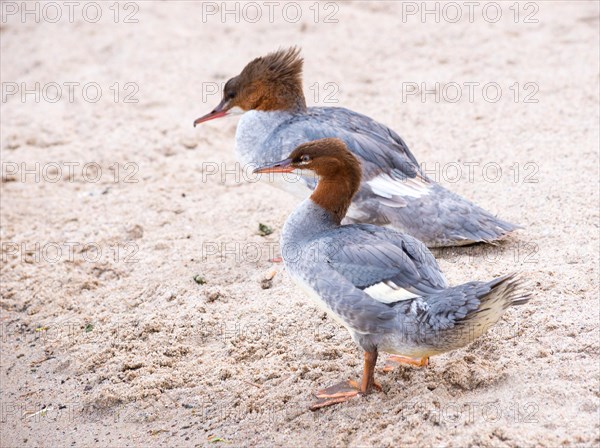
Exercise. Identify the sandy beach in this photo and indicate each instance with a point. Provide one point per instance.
(133, 305)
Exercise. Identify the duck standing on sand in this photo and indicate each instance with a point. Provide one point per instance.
(385, 287)
(394, 191)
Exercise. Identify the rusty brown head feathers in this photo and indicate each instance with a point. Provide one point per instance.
(269, 83)
(338, 169)
(272, 82)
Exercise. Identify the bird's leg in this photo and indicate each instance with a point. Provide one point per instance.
(393, 361)
(368, 379)
(349, 389)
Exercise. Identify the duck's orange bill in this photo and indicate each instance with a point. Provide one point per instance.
(285, 166)
(220, 111)
(210, 116)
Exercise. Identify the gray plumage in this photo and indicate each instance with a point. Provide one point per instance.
(395, 192)
(342, 268)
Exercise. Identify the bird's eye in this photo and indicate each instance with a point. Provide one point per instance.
(230, 95)
(305, 158)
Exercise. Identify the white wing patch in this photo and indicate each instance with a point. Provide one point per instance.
(388, 292)
(386, 186)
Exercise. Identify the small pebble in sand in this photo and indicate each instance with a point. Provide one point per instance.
(211, 297)
(199, 279)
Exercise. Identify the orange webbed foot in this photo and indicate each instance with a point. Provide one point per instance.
(394, 360)
(335, 394)
(347, 390)
(339, 393)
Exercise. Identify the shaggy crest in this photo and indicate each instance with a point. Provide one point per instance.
(281, 65)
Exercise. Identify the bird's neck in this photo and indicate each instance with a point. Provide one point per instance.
(283, 97)
(334, 195)
(304, 223)
(323, 211)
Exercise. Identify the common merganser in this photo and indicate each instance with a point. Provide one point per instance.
(386, 288)
(395, 192)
